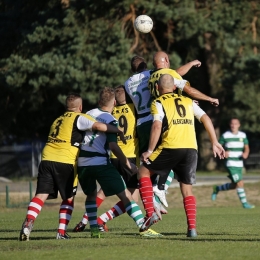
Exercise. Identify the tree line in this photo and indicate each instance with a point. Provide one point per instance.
(49, 48)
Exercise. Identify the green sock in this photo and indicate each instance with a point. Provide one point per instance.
(169, 180)
(91, 209)
(242, 195)
(134, 211)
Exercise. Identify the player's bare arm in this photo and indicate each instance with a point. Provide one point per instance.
(109, 128)
(185, 68)
(196, 94)
(246, 151)
(154, 137)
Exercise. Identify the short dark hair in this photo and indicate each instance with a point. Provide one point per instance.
(138, 64)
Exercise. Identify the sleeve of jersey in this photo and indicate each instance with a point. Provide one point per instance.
(157, 111)
(85, 122)
(180, 83)
(198, 112)
(246, 140)
(221, 140)
(110, 136)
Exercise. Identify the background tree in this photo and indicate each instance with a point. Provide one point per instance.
(53, 47)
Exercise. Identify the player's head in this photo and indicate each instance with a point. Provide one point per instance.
(234, 124)
(166, 84)
(74, 102)
(107, 97)
(138, 64)
(120, 95)
(161, 60)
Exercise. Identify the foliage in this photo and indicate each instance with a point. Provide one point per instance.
(53, 47)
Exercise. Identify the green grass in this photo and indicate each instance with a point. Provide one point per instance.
(223, 233)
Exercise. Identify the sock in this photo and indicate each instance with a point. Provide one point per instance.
(242, 195)
(161, 182)
(85, 216)
(134, 211)
(146, 193)
(169, 180)
(91, 210)
(114, 212)
(34, 208)
(66, 209)
(190, 209)
(223, 187)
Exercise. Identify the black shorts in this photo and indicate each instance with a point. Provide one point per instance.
(182, 161)
(54, 177)
(130, 180)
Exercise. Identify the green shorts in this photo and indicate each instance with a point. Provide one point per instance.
(235, 174)
(143, 133)
(107, 176)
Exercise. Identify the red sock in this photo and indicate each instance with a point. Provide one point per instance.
(117, 210)
(190, 209)
(146, 193)
(66, 209)
(34, 208)
(99, 201)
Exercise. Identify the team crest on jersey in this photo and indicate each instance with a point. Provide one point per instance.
(241, 139)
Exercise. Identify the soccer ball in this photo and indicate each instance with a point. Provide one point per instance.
(143, 23)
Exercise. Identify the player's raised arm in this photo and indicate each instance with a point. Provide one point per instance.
(185, 68)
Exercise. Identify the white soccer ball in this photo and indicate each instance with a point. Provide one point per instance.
(143, 23)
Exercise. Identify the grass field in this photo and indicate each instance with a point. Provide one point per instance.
(225, 231)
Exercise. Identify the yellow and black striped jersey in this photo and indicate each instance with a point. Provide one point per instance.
(156, 74)
(64, 138)
(125, 115)
(177, 116)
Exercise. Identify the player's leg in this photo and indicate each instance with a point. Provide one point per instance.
(45, 186)
(189, 203)
(82, 224)
(242, 195)
(66, 181)
(224, 187)
(161, 187)
(112, 183)
(117, 210)
(185, 173)
(87, 177)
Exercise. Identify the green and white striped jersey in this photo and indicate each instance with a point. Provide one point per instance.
(234, 143)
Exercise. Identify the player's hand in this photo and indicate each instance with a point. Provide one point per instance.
(214, 102)
(218, 150)
(122, 137)
(196, 63)
(145, 156)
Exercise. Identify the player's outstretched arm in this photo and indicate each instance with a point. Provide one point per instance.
(185, 68)
(217, 148)
(196, 94)
(109, 128)
(154, 137)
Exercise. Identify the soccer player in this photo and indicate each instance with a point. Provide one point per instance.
(173, 144)
(161, 64)
(137, 88)
(237, 149)
(124, 113)
(94, 165)
(56, 170)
